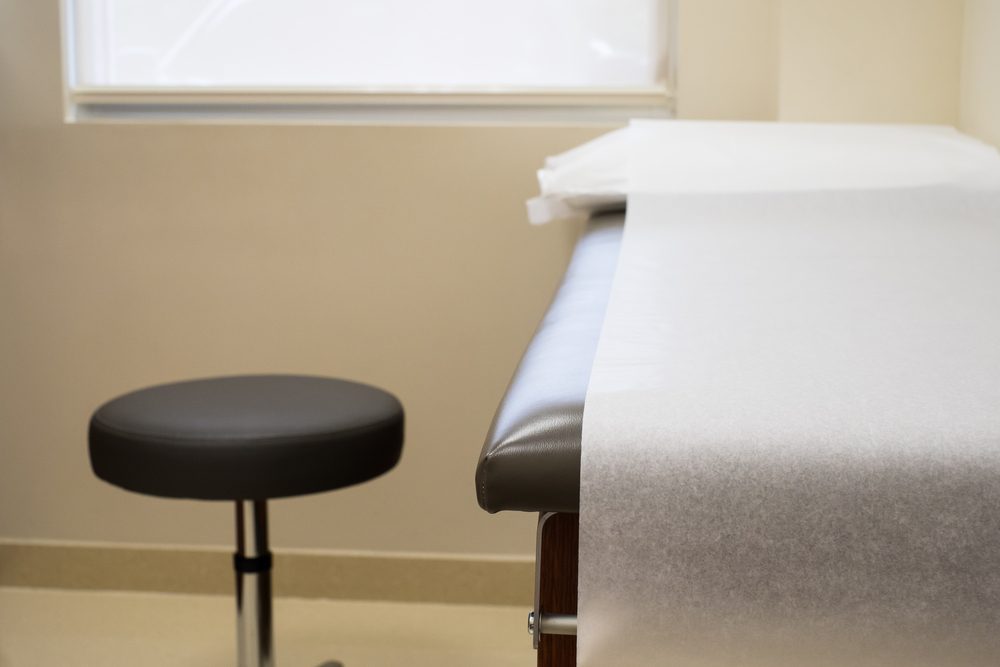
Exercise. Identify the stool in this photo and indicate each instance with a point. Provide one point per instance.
(247, 439)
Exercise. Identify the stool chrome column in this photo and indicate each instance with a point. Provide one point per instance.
(252, 562)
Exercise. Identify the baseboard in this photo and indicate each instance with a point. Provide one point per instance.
(344, 576)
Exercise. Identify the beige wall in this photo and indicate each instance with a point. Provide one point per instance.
(138, 254)
(870, 60)
(980, 110)
(728, 54)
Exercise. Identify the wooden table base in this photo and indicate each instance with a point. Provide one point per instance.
(559, 552)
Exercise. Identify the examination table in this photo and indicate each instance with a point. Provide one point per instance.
(791, 445)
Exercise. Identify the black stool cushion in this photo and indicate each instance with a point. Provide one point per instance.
(246, 437)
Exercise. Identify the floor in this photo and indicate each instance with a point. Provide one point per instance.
(45, 627)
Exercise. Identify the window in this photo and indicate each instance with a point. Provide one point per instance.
(368, 60)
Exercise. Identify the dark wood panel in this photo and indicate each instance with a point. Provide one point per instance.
(559, 553)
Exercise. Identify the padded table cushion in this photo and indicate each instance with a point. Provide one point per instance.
(531, 459)
(246, 437)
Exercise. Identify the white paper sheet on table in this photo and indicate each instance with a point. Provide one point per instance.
(791, 449)
(687, 157)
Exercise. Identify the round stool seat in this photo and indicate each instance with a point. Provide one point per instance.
(246, 437)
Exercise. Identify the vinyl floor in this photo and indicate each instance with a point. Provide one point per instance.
(51, 628)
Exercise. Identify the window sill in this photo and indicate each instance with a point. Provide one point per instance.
(350, 107)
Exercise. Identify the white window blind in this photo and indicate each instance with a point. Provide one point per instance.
(363, 59)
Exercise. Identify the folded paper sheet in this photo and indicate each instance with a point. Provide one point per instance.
(791, 446)
(692, 156)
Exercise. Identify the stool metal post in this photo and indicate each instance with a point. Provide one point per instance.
(252, 561)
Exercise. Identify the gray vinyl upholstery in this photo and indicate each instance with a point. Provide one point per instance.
(531, 458)
(246, 437)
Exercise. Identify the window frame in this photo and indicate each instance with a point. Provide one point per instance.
(233, 105)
